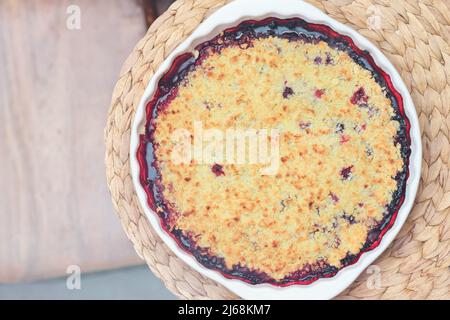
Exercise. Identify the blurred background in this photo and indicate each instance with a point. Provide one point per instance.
(59, 235)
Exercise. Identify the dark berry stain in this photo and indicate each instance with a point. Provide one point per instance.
(397, 140)
(360, 127)
(329, 59)
(369, 151)
(287, 92)
(349, 218)
(334, 197)
(373, 235)
(346, 173)
(359, 97)
(344, 138)
(318, 60)
(319, 93)
(305, 125)
(217, 169)
(340, 128)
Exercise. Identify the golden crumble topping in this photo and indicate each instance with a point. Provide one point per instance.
(337, 155)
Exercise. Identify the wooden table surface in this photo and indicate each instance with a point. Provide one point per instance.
(55, 89)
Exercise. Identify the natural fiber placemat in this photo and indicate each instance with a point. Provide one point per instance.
(415, 36)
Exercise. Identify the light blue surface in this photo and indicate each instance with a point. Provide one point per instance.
(129, 283)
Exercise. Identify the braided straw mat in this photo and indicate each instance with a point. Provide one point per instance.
(415, 36)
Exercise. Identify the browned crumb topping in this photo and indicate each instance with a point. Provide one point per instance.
(337, 156)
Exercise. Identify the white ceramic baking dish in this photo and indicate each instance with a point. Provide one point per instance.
(231, 15)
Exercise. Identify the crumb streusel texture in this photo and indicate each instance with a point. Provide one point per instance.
(338, 156)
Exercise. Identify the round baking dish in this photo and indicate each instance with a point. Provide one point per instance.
(225, 17)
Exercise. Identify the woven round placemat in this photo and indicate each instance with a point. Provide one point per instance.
(415, 36)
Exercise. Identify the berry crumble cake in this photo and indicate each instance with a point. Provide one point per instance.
(344, 151)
